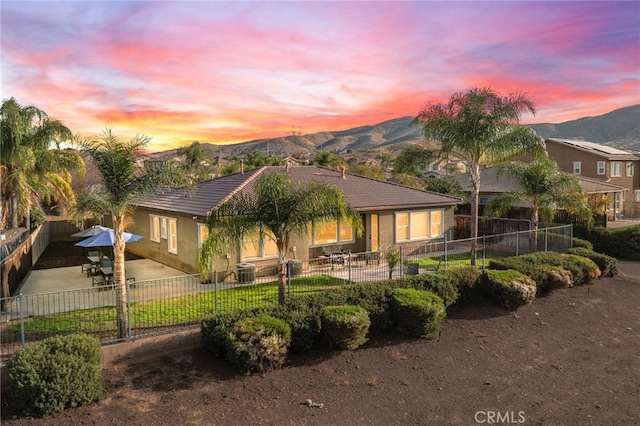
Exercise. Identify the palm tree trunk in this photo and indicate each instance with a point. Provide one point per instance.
(119, 281)
(282, 277)
(475, 195)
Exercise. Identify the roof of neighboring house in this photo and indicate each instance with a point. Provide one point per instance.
(361, 193)
(596, 186)
(604, 151)
(490, 182)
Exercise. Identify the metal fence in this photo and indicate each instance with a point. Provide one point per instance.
(167, 304)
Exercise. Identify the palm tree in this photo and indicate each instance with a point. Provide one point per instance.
(281, 209)
(196, 160)
(31, 170)
(412, 159)
(545, 187)
(480, 127)
(123, 182)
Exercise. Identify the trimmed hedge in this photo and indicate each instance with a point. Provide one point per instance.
(579, 242)
(621, 243)
(509, 288)
(57, 373)
(608, 265)
(258, 344)
(416, 313)
(344, 327)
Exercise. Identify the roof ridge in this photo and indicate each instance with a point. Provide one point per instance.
(254, 174)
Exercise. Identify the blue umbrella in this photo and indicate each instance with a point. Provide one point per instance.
(90, 232)
(106, 238)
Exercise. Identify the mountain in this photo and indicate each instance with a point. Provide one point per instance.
(619, 128)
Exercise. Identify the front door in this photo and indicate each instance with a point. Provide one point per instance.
(373, 233)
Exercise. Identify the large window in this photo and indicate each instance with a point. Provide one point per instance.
(173, 236)
(203, 234)
(629, 168)
(418, 225)
(259, 244)
(332, 233)
(577, 167)
(616, 168)
(154, 230)
(601, 167)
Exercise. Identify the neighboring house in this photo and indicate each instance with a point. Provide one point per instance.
(173, 222)
(492, 185)
(601, 162)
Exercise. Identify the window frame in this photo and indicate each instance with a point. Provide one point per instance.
(577, 167)
(629, 166)
(172, 237)
(154, 228)
(601, 168)
(430, 214)
(203, 233)
(262, 247)
(616, 166)
(338, 240)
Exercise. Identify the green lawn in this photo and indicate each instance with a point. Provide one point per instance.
(179, 310)
(458, 260)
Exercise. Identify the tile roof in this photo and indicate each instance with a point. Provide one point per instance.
(361, 193)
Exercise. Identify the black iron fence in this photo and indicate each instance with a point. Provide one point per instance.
(168, 304)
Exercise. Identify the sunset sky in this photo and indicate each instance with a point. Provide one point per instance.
(222, 72)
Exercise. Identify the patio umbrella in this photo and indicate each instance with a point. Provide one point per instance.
(90, 232)
(106, 238)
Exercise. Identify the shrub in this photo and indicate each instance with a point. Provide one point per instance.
(546, 276)
(57, 373)
(621, 243)
(345, 326)
(579, 242)
(304, 324)
(258, 344)
(467, 282)
(584, 270)
(416, 313)
(444, 284)
(608, 265)
(215, 330)
(509, 288)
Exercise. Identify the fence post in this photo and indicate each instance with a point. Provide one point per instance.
(349, 266)
(288, 266)
(22, 339)
(545, 239)
(484, 248)
(215, 292)
(126, 288)
(517, 242)
(445, 252)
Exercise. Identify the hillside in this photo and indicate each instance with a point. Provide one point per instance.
(619, 128)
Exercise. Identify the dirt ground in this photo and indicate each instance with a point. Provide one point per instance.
(571, 358)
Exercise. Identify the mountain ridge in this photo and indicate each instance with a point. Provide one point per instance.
(619, 128)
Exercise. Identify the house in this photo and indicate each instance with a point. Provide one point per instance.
(493, 185)
(600, 162)
(173, 222)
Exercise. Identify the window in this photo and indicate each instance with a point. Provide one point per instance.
(163, 228)
(173, 236)
(203, 233)
(629, 168)
(331, 233)
(637, 195)
(259, 244)
(577, 167)
(616, 168)
(154, 232)
(601, 167)
(418, 225)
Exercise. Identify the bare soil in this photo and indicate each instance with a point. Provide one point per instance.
(571, 358)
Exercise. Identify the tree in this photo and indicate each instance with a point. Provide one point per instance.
(444, 186)
(373, 172)
(279, 209)
(123, 182)
(480, 127)
(545, 187)
(196, 161)
(412, 159)
(31, 168)
(327, 159)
